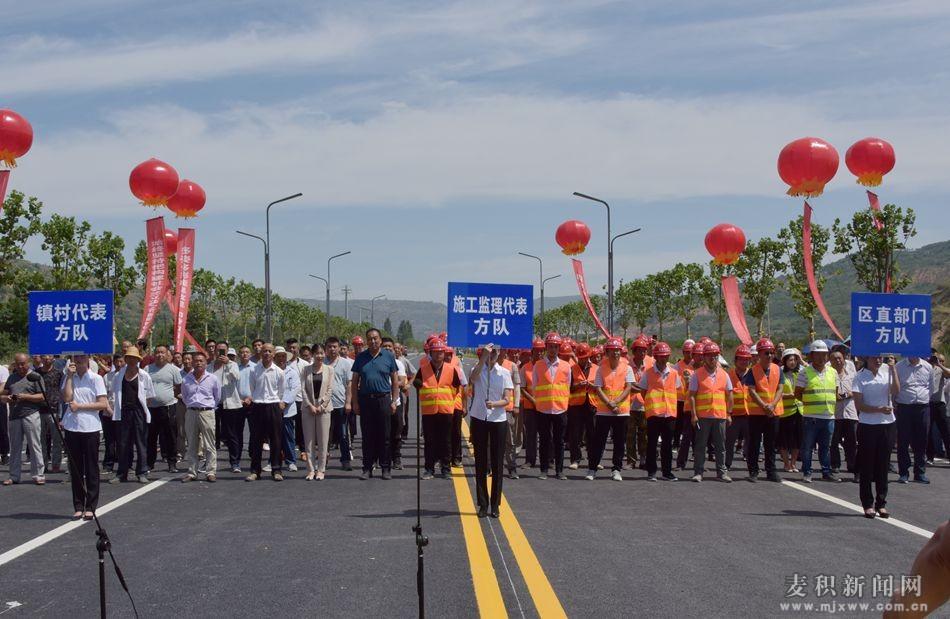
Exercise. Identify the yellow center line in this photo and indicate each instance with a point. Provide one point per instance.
(542, 593)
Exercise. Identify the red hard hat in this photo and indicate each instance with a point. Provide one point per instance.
(583, 351)
(688, 345)
(642, 341)
(537, 344)
(357, 341)
(743, 352)
(662, 349)
(437, 345)
(598, 350)
(705, 339)
(712, 348)
(565, 349)
(614, 343)
(764, 345)
(552, 338)
(698, 349)
(449, 350)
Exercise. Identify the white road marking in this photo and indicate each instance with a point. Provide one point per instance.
(61, 530)
(900, 524)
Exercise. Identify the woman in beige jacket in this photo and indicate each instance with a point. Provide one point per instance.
(316, 381)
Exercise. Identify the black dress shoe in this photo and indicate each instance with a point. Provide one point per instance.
(482, 512)
(494, 513)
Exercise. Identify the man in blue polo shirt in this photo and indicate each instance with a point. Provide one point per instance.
(375, 391)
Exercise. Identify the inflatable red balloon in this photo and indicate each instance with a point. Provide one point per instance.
(188, 200)
(870, 159)
(153, 182)
(16, 137)
(807, 164)
(573, 237)
(171, 242)
(725, 243)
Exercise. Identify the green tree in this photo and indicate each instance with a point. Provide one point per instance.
(19, 220)
(66, 240)
(634, 299)
(105, 262)
(757, 270)
(871, 251)
(796, 283)
(388, 326)
(663, 287)
(404, 332)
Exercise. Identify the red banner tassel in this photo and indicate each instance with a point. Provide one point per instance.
(156, 278)
(733, 300)
(4, 179)
(810, 271)
(170, 302)
(582, 287)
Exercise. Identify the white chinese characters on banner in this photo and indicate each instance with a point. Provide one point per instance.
(491, 310)
(885, 316)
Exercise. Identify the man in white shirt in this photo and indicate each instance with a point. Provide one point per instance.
(291, 392)
(267, 382)
(4, 413)
(939, 389)
(231, 410)
(492, 389)
(340, 400)
(296, 362)
(846, 416)
(395, 430)
(913, 417)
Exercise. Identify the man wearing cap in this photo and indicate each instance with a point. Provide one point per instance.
(640, 361)
(528, 407)
(375, 388)
(201, 393)
(268, 384)
(131, 390)
(579, 416)
(710, 391)
(436, 383)
(290, 410)
(764, 401)
(612, 386)
(682, 396)
(231, 410)
(659, 385)
(817, 387)
(687, 427)
(738, 430)
(552, 389)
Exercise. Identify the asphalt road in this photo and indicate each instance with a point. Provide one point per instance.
(345, 548)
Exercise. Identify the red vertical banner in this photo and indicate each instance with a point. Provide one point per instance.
(185, 270)
(810, 272)
(170, 302)
(4, 179)
(876, 208)
(582, 287)
(733, 301)
(156, 279)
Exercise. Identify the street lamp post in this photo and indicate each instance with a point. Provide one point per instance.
(372, 310)
(268, 318)
(363, 309)
(327, 280)
(541, 278)
(326, 316)
(261, 239)
(610, 263)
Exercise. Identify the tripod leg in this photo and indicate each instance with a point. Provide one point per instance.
(102, 583)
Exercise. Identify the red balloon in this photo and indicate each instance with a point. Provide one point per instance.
(573, 237)
(153, 182)
(725, 243)
(188, 200)
(16, 137)
(870, 159)
(171, 241)
(806, 165)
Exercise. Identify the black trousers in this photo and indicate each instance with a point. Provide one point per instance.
(395, 431)
(4, 431)
(738, 430)
(438, 430)
(913, 424)
(298, 429)
(232, 431)
(579, 421)
(657, 428)
(404, 413)
(456, 435)
(551, 437)
(678, 427)
(685, 419)
(84, 469)
(161, 432)
(267, 425)
(762, 429)
(488, 442)
(874, 458)
(376, 418)
(938, 423)
(530, 438)
(133, 432)
(845, 432)
(110, 438)
(616, 426)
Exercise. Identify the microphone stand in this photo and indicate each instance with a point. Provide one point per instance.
(421, 540)
(103, 544)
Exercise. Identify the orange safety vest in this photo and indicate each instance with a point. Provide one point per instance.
(711, 394)
(552, 395)
(766, 387)
(578, 398)
(591, 376)
(740, 395)
(508, 365)
(527, 385)
(637, 374)
(437, 395)
(660, 396)
(614, 382)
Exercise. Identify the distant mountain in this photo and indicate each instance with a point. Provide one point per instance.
(424, 316)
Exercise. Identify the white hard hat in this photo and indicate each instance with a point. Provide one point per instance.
(791, 351)
(818, 346)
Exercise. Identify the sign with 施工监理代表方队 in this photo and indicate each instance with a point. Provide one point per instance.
(890, 323)
(70, 322)
(501, 314)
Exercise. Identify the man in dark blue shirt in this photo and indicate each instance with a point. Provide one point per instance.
(375, 388)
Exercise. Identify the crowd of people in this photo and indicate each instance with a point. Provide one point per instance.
(123, 415)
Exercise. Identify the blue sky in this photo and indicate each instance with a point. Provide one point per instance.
(436, 139)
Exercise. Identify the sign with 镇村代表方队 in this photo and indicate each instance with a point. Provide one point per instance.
(501, 314)
(890, 323)
(70, 322)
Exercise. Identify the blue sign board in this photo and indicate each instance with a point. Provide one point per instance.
(70, 322)
(501, 314)
(890, 323)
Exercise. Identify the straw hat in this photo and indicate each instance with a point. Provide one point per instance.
(132, 351)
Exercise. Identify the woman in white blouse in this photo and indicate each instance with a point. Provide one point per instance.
(873, 390)
(316, 383)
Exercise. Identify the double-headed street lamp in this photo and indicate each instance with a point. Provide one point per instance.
(541, 278)
(326, 280)
(372, 308)
(326, 316)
